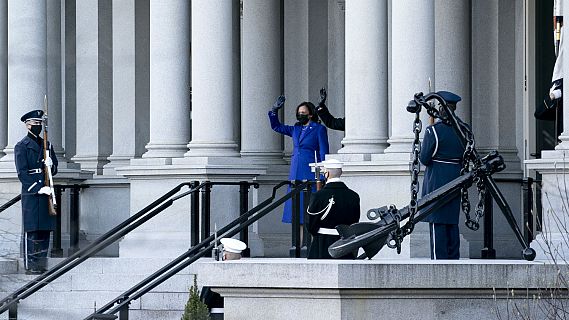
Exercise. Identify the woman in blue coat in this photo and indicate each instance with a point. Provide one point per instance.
(441, 153)
(308, 137)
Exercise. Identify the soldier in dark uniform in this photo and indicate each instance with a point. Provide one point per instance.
(30, 165)
(441, 153)
(334, 205)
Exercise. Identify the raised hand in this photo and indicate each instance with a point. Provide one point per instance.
(323, 96)
(279, 103)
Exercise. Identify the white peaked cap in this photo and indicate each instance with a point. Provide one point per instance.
(332, 164)
(233, 245)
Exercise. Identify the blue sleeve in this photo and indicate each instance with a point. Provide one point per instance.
(428, 146)
(30, 183)
(323, 143)
(277, 126)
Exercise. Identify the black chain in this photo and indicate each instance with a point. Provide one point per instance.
(414, 168)
(467, 158)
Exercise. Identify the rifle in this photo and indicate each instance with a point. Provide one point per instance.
(317, 173)
(52, 203)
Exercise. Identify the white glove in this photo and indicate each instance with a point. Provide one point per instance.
(45, 190)
(48, 162)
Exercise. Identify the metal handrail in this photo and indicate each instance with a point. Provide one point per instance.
(123, 300)
(10, 301)
(10, 202)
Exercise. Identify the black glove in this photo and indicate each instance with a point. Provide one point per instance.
(279, 103)
(323, 96)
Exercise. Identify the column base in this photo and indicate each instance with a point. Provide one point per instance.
(261, 157)
(363, 146)
(212, 149)
(91, 163)
(156, 150)
(115, 162)
(399, 144)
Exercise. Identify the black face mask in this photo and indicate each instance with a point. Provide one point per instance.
(302, 118)
(36, 129)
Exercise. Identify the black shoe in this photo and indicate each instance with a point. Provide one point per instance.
(34, 272)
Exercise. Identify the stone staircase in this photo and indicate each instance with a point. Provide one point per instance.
(94, 283)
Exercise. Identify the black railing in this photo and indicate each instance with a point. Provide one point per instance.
(11, 202)
(205, 218)
(488, 252)
(121, 303)
(57, 250)
(10, 303)
(300, 244)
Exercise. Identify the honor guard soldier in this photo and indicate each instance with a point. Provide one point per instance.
(30, 165)
(232, 248)
(441, 153)
(334, 205)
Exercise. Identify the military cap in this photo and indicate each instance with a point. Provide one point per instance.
(233, 245)
(332, 164)
(449, 97)
(32, 115)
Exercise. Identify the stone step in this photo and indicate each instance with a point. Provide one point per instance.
(95, 282)
(8, 266)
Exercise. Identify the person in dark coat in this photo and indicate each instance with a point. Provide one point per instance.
(334, 205)
(326, 116)
(310, 141)
(30, 166)
(441, 153)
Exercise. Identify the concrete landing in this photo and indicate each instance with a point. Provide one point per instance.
(365, 289)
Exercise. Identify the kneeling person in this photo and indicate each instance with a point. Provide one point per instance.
(334, 205)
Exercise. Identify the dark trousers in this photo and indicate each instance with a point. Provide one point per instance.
(36, 246)
(445, 241)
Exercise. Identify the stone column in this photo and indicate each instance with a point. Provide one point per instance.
(54, 77)
(413, 63)
(94, 84)
(366, 76)
(170, 73)
(554, 168)
(3, 75)
(70, 79)
(130, 81)
(262, 79)
(564, 145)
(26, 66)
(452, 51)
(215, 66)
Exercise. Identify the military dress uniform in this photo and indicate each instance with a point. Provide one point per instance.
(334, 205)
(37, 222)
(441, 153)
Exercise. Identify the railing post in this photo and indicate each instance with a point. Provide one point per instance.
(74, 219)
(206, 212)
(194, 215)
(306, 239)
(527, 187)
(123, 313)
(57, 250)
(13, 312)
(488, 251)
(294, 251)
(244, 207)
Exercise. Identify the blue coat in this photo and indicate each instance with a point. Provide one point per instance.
(28, 156)
(306, 140)
(441, 153)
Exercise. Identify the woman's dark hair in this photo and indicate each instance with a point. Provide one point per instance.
(311, 110)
